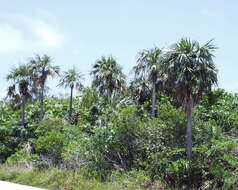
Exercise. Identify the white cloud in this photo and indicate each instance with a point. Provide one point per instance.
(46, 35)
(11, 39)
(29, 35)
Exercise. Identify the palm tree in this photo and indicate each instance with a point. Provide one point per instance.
(72, 79)
(20, 76)
(188, 74)
(108, 76)
(13, 97)
(42, 69)
(147, 68)
(140, 90)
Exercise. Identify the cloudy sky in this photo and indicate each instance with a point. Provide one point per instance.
(77, 32)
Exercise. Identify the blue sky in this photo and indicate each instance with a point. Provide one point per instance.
(77, 32)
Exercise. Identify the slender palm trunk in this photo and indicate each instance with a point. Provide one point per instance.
(42, 103)
(23, 110)
(153, 110)
(189, 129)
(71, 103)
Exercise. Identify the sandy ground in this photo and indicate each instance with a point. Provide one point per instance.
(12, 186)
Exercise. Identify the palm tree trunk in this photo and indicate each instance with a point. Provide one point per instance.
(23, 110)
(189, 129)
(42, 103)
(153, 110)
(71, 103)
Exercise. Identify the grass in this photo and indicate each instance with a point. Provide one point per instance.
(56, 179)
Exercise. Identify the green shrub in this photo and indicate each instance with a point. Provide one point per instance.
(11, 138)
(22, 158)
(212, 163)
(51, 145)
(54, 124)
(123, 139)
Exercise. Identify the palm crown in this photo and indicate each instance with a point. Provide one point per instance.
(71, 78)
(20, 76)
(108, 76)
(42, 68)
(148, 63)
(189, 70)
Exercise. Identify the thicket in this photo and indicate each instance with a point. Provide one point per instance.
(120, 136)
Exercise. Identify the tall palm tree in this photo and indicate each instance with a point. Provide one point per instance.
(71, 79)
(147, 68)
(20, 76)
(189, 73)
(107, 76)
(42, 69)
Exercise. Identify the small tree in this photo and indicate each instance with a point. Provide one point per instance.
(71, 79)
(188, 74)
(42, 69)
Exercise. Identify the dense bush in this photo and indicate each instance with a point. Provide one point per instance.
(11, 138)
(51, 145)
(111, 135)
(54, 124)
(213, 163)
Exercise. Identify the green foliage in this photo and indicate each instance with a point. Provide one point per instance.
(214, 163)
(11, 136)
(124, 138)
(173, 129)
(22, 158)
(113, 142)
(90, 98)
(116, 144)
(222, 107)
(57, 125)
(51, 145)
